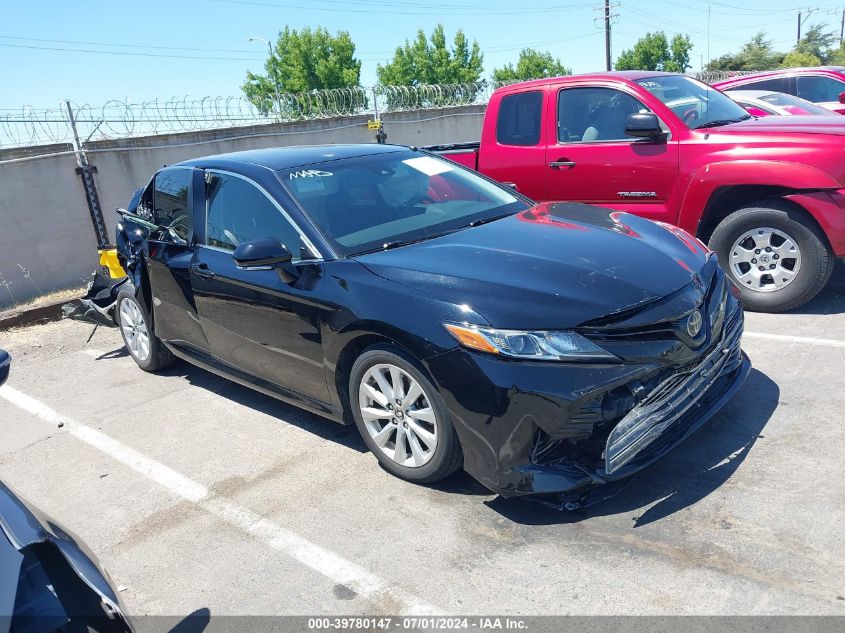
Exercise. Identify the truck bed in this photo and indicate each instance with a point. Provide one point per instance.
(465, 154)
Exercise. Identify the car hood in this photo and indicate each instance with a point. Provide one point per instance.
(784, 125)
(558, 265)
(24, 525)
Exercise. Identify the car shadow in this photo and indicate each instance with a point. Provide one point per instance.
(831, 300)
(324, 428)
(688, 474)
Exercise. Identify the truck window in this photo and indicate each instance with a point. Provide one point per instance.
(519, 119)
(171, 201)
(818, 89)
(594, 114)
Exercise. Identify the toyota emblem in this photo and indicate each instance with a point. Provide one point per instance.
(694, 323)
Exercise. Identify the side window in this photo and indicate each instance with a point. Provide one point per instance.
(818, 89)
(171, 201)
(594, 114)
(775, 85)
(237, 211)
(519, 119)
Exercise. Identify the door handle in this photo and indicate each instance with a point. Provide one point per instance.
(557, 164)
(202, 270)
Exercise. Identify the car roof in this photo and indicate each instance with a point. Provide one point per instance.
(629, 75)
(779, 72)
(276, 158)
(753, 94)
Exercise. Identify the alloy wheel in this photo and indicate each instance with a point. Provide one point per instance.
(765, 259)
(398, 415)
(134, 328)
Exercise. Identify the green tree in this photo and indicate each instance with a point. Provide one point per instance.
(531, 64)
(302, 61)
(797, 59)
(430, 61)
(756, 54)
(816, 42)
(655, 52)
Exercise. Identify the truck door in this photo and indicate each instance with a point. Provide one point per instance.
(512, 151)
(592, 160)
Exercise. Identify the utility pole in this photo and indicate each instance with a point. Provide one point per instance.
(842, 28)
(801, 21)
(607, 33)
(86, 172)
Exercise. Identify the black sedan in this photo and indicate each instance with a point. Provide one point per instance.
(544, 349)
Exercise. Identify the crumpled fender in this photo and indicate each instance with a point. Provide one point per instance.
(25, 525)
(707, 178)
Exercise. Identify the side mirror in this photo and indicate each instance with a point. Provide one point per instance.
(5, 364)
(265, 253)
(643, 125)
(842, 97)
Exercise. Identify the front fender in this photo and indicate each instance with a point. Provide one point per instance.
(705, 180)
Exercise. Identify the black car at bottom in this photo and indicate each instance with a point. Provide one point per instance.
(544, 348)
(49, 579)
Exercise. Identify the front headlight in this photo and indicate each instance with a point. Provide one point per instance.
(526, 345)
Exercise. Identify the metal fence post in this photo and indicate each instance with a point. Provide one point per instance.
(86, 172)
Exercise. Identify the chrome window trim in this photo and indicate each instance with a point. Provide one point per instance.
(213, 170)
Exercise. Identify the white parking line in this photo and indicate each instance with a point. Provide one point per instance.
(808, 340)
(325, 562)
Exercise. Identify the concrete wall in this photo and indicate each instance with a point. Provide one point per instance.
(45, 226)
(47, 240)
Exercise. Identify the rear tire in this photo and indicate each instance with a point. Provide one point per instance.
(776, 256)
(145, 348)
(408, 428)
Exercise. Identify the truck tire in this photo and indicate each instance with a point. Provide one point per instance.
(145, 348)
(774, 254)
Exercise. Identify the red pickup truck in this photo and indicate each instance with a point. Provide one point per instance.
(768, 195)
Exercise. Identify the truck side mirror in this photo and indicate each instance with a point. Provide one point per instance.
(643, 125)
(842, 97)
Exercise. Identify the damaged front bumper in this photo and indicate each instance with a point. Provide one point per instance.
(537, 435)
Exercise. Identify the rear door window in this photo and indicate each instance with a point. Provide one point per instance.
(172, 202)
(818, 89)
(519, 119)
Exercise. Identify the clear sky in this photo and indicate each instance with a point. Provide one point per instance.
(149, 49)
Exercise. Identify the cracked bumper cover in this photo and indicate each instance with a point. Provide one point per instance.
(498, 408)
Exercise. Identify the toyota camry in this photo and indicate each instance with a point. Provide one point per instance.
(545, 349)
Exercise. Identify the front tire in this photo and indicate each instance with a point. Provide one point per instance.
(145, 348)
(402, 417)
(774, 254)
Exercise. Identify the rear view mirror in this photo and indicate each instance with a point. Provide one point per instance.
(842, 97)
(643, 125)
(263, 253)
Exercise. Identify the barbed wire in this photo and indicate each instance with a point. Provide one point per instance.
(118, 119)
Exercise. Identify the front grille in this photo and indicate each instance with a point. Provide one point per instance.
(669, 401)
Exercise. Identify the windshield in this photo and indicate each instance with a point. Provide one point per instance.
(696, 104)
(385, 200)
(795, 105)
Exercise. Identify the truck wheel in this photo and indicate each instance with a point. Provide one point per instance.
(402, 417)
(777, 258)
(143, 345)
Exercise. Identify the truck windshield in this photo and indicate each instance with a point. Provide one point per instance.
(696, 104)
(386, 200)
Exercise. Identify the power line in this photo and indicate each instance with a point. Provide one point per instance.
(370, 10)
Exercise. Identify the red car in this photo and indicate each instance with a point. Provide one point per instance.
(823, 85)
(768, 195)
